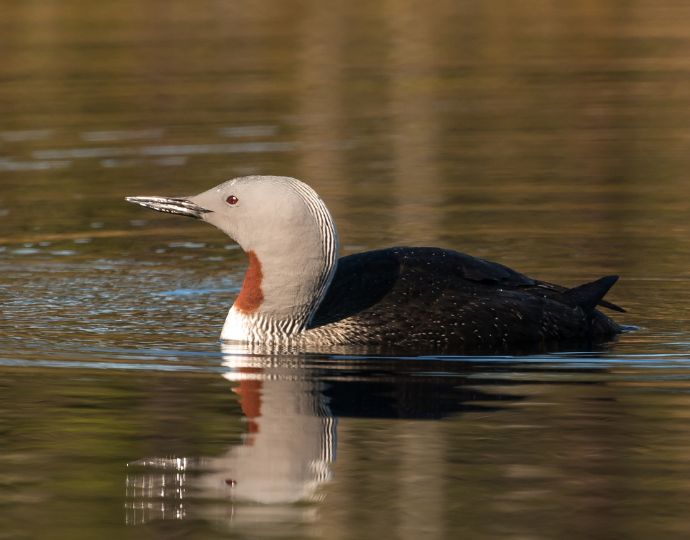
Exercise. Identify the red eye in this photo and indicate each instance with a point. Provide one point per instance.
(232, 200)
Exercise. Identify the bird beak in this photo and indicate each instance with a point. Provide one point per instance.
(170, 205)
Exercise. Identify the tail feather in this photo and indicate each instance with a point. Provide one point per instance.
(611, 305)
(587, 296)
(561, 289)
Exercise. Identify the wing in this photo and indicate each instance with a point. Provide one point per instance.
(365, 279)
(417, 294)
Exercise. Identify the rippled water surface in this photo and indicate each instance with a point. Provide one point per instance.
(547, 136)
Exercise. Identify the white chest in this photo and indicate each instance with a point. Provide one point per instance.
(237, 327)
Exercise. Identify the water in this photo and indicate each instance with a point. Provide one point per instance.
(549, 138)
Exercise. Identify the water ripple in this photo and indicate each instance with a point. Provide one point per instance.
(164, 150)
(129, 366)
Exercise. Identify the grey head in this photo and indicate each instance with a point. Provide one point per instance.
(249, 209)
(281, 223)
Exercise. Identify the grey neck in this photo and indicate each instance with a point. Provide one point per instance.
(294, 274)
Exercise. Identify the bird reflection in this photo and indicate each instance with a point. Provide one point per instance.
(292, 404)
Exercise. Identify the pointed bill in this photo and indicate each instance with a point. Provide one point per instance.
(171, 205)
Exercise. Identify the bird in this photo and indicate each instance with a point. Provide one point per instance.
(297, 292)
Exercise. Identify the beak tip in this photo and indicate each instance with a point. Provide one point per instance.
(170, 205)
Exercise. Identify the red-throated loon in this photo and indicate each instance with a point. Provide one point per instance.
(298, 292)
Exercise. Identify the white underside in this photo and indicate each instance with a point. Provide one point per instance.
(257, 328)
(254, 329)
(238, 327)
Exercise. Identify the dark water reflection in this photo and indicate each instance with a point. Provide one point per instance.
(549, 137)
(291, 405)
(151, 440)
(451, 444)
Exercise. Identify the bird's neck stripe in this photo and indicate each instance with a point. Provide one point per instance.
(251, 296)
